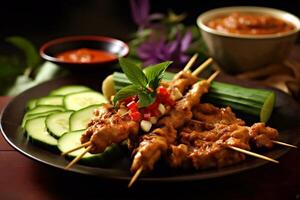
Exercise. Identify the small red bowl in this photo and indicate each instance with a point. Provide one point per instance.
(51, 49)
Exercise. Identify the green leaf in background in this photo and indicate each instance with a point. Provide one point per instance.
(155, 73)
(125, 92)
(133, 72)
(32, 55)
(46, 72)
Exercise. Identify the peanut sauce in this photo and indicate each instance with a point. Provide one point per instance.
(250, 24)
(85, 55)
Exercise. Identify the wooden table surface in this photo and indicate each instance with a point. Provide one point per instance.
(23, 178)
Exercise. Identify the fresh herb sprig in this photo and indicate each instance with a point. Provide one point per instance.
(144, 82)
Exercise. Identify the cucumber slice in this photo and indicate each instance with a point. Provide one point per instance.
(43, 109)
(81, 100)
(71, 140)
(58, 123)
(80, 119)
(32, 116)
(50, 100)
(37, 132)
(69, 89)
(31, 104)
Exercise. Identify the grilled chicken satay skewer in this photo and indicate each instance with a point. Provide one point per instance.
(204, 145)
(156, 143)
(116, 132)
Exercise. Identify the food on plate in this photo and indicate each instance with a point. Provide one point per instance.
(250, 23)
(157, 119)
(85, 55)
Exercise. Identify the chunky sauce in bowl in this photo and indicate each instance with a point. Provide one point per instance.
(85, 55)
(250, 24)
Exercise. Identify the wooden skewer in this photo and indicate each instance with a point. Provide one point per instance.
(253, 154)
(135, 176)
(76, 148)
(213, 76)
(284, 144)
(191, 62)
(75, 160)
(202, 66)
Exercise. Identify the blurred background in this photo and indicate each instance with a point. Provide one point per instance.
(41, 21)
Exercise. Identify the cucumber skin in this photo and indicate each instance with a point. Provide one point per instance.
(31, 104)
(43, 145)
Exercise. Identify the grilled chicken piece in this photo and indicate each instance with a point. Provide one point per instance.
(108, 127)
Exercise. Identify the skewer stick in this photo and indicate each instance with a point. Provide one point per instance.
(191, 62)
(284, 144)
(213, 76)
(135, 176)
(75, 160)
(76, 148)
(253, 154)
(202, 66)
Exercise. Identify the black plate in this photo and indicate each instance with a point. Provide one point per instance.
(286, 118)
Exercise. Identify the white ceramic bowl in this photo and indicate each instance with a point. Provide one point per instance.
(240, 52)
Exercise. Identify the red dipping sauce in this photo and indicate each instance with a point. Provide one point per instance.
(85, 55)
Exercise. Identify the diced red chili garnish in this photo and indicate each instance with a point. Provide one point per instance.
(136, 116)
(133, 106)
(128, 99)
(163, 91)
(147, 116)
(155, 112)
(153, 105)
(170, 102)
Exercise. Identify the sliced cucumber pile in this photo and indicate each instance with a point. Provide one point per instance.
(71, 140)
(63, 116)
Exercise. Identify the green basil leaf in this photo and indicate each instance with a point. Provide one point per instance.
(155, 73)
(133, 72)
(145, 99)
(125, 92)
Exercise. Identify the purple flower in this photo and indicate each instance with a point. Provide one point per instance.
(155, 50)
(140, 10)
